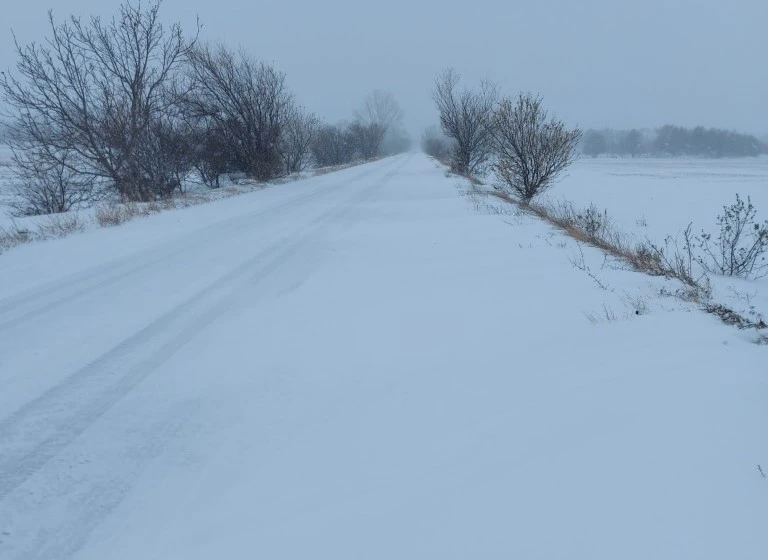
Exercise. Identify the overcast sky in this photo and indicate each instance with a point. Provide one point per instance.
(611, 63)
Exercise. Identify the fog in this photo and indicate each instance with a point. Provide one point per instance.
(598, 63)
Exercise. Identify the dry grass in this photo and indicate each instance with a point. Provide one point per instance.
(595, 228)
(113, 214)
(672, 260)
(607, 316)
(53, 226)
(13, 235)
(330, 169)
(60, 225)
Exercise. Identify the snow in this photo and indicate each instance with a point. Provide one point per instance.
(657, 197)
(361, 365)
(195, 192)
(652, 198)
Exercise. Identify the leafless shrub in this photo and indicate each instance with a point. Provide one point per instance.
(740, 247)
(579, 262)
(467, 118)
(108, 215)
(588, 225)
(167, 158)
(61, 225)
(675, 259)
(436, 144)
(366, 139)
(333, 145)
(13, 234)
(243, 100)
(532, 150)
(382, 109)
(46, 185)
(296, 140)
(211, 156)
(593, 222)
(607, 315)
(90, 97)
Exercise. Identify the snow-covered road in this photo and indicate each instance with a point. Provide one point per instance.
(360, 365)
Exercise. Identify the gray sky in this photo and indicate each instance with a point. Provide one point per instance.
(597, 63)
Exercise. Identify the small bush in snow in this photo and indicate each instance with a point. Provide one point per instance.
(592, 221)
(333, 145)
(296, 140)
(531, 149)
(366, 139)
(46, 185)
(60, 225)
(13, 235)
(739, 249)
(434, 143)
(112, 214)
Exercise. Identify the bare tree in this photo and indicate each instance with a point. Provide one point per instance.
(296, 141)
(434, 143)
(382, 109)
(245, 100)
(333, 145)
(210, 153)
(531, 149)
(43, 185)
(89, 97)
(467, 118)
(166, 155)
(367, 138)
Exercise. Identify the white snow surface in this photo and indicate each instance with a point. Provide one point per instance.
(360, 365)
(656, 198)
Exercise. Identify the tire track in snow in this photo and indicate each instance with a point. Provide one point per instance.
(88, 504)
(42, 428)
(69, 289)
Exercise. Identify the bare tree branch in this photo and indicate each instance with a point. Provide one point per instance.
(246, 101)
(467, 118)
(531, 150)
(90, 97)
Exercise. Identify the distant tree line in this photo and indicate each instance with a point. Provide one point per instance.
(133, 108)
(671, 141)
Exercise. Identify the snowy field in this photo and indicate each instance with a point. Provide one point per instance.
(651, 199)
(660, 197)
(361, 365)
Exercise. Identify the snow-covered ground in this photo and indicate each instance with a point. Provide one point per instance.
(652, 198)
(86, 216)
(360, 365)
(657, 197)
